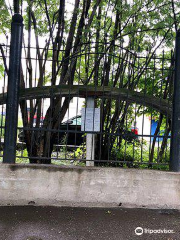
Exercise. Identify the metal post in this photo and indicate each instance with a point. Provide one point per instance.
(13, 90)
(175, 137)
(90, 138)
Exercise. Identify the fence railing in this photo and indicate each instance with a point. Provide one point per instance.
(115, 110)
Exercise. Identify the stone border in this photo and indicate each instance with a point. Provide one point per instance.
(22, 184)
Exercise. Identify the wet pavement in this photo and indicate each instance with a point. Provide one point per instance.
(63, 223)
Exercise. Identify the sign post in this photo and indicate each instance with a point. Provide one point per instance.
(90, 123)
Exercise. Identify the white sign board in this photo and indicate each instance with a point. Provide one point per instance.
(87, 117)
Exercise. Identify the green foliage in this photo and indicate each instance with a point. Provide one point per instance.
(22, 156)
(1, 70)
(5, 18)
(134, 151)
(2, 125)
(80, 153)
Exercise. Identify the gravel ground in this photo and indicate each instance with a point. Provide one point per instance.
(63, 223)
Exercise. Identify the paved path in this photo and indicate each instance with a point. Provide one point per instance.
(52, 223)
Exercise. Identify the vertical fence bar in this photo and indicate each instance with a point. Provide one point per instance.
(175, 137)
(9, 155)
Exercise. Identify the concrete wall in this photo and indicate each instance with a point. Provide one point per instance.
(80, 186)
